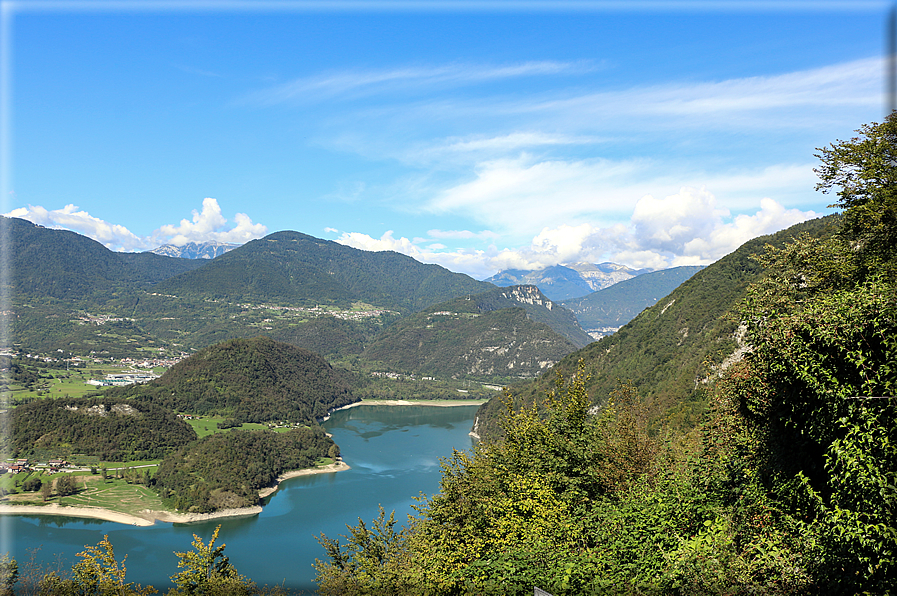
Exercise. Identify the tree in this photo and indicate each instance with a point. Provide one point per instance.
(98, 573)
(863, 173)
(66, 485)
(208, 572)
(9, 575)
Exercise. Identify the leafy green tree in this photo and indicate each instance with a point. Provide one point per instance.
(9, 575)
(863, 173)
(66, 485)
(98, 573)
(208, 572)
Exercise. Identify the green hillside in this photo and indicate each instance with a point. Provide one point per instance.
(294, 268)
(108, 428)
(668, 349)
(63, 265)
(249, 380)
(618, 304)
(495, 337)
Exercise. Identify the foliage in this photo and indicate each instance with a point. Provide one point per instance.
(249, 380)
(9, 574)
(208, 572)
(112, 429)
(227, 470)
(98, 573)
(864, 170)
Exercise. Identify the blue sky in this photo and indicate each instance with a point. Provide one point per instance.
(480, 136)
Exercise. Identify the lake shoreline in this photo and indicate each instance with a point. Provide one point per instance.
(149, 517)
(438, 403)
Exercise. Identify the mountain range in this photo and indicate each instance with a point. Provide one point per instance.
(672, 347)
(70, 293)
(603, 312)
(563, 282)
(195, 250)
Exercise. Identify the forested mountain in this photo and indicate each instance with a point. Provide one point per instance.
(564, 282)
(298, 269)
(670, 348)
(496, 336)
(111, 429)
(249, 380)
(64, 265)
(616, 305)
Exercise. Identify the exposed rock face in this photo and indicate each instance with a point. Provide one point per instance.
(103, 410)
(195, 250)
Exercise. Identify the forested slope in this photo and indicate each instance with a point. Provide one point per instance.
(250, 380)
(111, 429)
(671, 347)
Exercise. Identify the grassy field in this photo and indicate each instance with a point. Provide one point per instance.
(208, 425)
(113, 494)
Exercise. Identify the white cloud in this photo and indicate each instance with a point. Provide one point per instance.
(70, 218)
(210, 225)
(205, 226)
(686, 228)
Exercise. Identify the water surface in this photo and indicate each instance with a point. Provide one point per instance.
(394, 454)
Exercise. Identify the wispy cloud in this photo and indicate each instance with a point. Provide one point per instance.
(206, 225)
(358, 83)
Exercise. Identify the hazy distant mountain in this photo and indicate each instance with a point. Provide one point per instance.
(563, 282)
(195, 250)
(605, 311)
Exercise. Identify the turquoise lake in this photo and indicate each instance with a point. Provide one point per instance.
(394, 453)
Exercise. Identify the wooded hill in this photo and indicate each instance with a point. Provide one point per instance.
(109, 428)
(669, 349)
(249, 380)
(227, 470)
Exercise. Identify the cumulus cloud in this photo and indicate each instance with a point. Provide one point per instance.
(207, 225)
(70, 218)
(686, 228)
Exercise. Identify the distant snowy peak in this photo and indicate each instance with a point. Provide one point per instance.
(563, 282)
(195, 250)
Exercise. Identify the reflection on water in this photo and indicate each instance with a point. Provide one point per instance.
(394, 454)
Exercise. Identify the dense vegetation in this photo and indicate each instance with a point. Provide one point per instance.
(672, 347)
(249, 380)
(227, 470)
(620, 303)
(786, 486)
(111, 429)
